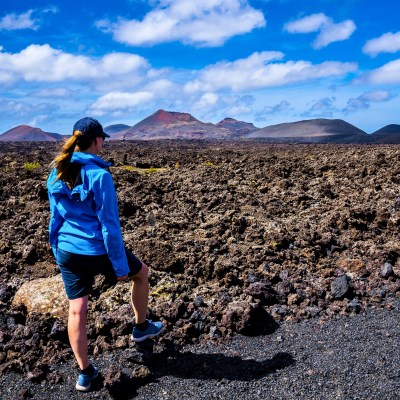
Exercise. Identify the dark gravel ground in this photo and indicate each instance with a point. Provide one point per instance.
(354, 357)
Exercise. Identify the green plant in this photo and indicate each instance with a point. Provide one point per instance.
(31, 166)
(210, 164)
(152, 170)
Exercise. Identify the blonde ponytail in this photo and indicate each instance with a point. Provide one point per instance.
(62, 162)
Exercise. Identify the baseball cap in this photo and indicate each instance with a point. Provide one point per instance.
(90, 127)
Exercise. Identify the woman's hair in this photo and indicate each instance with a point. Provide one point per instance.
(66, 171)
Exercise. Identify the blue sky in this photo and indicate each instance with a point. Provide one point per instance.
(260, 61)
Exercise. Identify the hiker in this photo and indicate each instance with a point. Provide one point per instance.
(86, 238)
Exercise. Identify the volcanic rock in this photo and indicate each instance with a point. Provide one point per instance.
(386, 270)
(354, 305)
(43, 296)
(262, 291)
(340, 287)
(247, 318)
(118, 381)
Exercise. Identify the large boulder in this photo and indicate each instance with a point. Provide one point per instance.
(248, 319)
(42, 296)
(47, 295)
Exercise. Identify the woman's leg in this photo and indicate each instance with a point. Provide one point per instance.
(77, 330)
(140, 294)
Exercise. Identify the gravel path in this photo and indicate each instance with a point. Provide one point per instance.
(354, 357)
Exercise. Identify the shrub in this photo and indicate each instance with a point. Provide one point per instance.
(31, 166)
(152, 170)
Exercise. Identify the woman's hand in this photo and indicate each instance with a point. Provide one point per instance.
(122, 278)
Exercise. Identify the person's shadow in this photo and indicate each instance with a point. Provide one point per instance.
(188, 365)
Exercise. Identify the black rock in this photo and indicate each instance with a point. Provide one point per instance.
(386, 270)
(6, 292)
(24, 394)
(198, 301)
(354, 306)
(340, 287)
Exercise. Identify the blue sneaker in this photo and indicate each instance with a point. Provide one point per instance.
(85, 381)
(153, 330)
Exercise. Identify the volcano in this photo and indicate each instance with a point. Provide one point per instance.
(25, 133)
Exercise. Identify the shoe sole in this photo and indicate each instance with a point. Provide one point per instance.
(86, 388)
(142, 339)
(83, 388)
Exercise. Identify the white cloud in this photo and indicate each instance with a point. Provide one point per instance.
(329, 31)
(258, 71)
(283, 106)
(118, 101)
(238, 110)
(51, 9)
(311, 23)
(363, 101)
(13, 21)
(387, 43)
(42, 63)
(53, 92)
(16, 111)
(206, 102)
(37, 120)
(30, 19)
(388, 74)
(162, 87)
(322, 108)
(376, 95)
(205, 23)
(334, 33)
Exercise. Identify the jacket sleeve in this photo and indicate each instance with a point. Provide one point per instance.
(56, 220)
(105, 199)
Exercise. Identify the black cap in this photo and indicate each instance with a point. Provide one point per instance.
(90, 127)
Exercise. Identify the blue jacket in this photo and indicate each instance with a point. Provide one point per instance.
(85, 220)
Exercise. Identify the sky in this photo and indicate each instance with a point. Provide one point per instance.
(260, 61)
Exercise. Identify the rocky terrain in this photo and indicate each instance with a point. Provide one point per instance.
(241, 237)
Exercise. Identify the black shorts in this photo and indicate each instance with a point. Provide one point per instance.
(78, 271)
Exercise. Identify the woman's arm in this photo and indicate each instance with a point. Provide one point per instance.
(106, 202)
(56, 220)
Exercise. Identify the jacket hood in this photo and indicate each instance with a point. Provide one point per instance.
(79, 192)
(89, 159)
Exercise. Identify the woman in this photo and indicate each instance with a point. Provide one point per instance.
(86, 238)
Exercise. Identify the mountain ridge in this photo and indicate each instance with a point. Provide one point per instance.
(389, 134)
(30, 134)
(308, 128)
(172, 125)
(177, 125)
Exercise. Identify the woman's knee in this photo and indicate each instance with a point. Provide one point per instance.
(143, 274)
(78, 307)
(145, 269)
